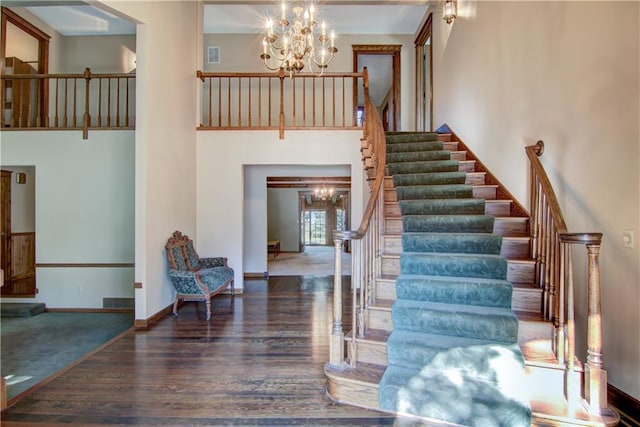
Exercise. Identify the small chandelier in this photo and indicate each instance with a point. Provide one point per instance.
(450, 11)
(291, 46)
(323, 193)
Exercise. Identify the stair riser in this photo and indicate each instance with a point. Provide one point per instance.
(510, 226)
(370, 352)
(513, 249)
(380, 319)
(458, 155)
(518, 272)
(358, 393)
(481, 192)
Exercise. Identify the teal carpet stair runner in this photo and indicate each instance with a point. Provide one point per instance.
(453, 353)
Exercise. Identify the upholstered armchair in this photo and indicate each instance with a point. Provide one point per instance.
(195, 278)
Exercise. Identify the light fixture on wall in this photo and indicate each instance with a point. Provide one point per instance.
(293, 45)
(323, 193)
(21, 178)
(450, 11)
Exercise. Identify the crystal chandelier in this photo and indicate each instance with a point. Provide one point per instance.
(323, 193)
(293, 45)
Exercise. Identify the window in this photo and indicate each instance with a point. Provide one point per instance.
(315, 227)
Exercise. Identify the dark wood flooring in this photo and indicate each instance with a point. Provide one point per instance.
(259, 361)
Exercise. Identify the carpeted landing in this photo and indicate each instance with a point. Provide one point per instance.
(35, 347)
(453, 352)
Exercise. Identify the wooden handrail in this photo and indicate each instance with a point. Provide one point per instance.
(365, 243)
(533, 152)
(32, 113)
(551, 249)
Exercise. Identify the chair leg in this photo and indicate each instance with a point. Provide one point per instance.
(175, 306)
(208, 302)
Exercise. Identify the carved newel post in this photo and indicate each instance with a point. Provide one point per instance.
(595, 377)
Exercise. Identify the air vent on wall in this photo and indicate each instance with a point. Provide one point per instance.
(214, 55)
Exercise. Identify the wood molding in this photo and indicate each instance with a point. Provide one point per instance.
(24, 25)
(256, 275)
(376, 49)
(627, 405)
(85, 265)
(146, 324)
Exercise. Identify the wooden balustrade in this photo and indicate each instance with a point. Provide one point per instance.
(551, 248)
(259, 101)
(365, 241)
(68, 101)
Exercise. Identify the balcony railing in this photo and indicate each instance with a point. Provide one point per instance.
(260, 101)
(68, 101)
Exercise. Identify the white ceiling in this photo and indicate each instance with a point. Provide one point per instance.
(74, 19)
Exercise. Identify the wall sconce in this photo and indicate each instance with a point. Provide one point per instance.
(450, 11)
(21, 178)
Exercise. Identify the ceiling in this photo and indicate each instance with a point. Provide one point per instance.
(75, 18)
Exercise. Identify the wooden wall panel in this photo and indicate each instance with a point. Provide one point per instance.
(23, 255)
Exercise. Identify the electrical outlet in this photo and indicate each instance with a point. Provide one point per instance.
(629, 239)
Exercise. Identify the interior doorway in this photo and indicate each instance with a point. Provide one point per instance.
(383, 65)
(18, 251)
(24, 49)
(302, 212)
(424, 77)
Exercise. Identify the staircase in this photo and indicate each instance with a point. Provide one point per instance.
(451, 330)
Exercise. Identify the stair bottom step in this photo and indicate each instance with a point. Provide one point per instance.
(454, 398)
(359, 386)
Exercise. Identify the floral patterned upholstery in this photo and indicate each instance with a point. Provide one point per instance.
(195, 278)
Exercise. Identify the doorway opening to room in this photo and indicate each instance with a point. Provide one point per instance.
(18, 237)
(24, 49)
(302, 214)
(424, 77)
(383, 65)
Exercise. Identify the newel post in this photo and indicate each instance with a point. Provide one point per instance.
(86, 119)
(595, 377)
(336, 343)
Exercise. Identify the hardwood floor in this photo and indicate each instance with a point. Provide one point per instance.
(258, 362)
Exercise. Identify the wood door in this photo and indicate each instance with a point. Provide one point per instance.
(5, 221)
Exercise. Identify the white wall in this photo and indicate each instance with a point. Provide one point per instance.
(102, 54)
(509, 73)
(84, 211)
(230, 60)
(168, 48)
(230, 183)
